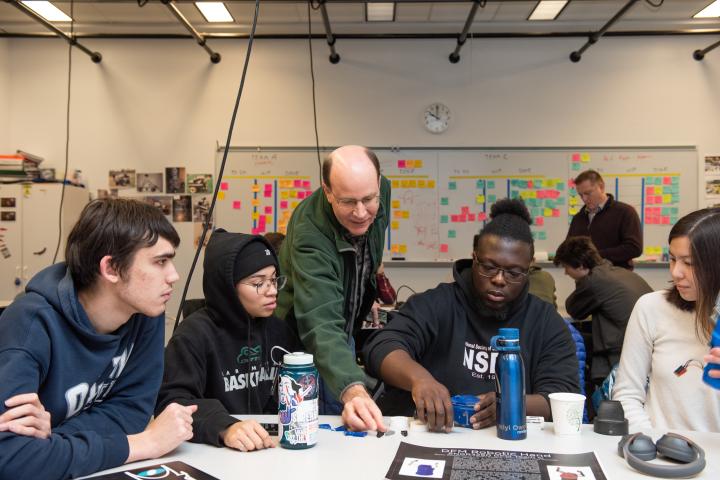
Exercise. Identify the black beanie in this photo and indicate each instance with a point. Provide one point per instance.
(252, 258)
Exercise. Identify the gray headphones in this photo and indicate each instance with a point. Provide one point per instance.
(638, 448)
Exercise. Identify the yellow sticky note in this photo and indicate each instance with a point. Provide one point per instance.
(396, 204)
(398, 213)
(293, 193)
(395, 184)
(403, 248)
(406, 214)
(394, 225)
(572, 201)
(667, 198)
(294, 204)
(284, 194)
(658, 190)
(431, 183)
(573, 210)
(480, 199)
(255, 188)
(255, 202)
(585, 157)
(255, 215)
(268, 218)
(421, 183)
(221, 195)
(405, 184)
(412, 183)
(418, 164)
(547, 212)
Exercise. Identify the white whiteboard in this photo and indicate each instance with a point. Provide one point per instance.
(441, 196)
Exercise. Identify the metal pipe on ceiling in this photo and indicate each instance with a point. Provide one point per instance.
(94, 56)
(334, 56)
(455, 55)
(214, 56)
(576, 56)
(700, 54)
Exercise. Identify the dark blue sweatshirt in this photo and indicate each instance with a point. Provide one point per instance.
(98, 388)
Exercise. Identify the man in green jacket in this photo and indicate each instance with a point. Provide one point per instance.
(333, 247)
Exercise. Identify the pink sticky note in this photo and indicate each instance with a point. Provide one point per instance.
(283, 204)
(268, 187)
(306, 184)
(297, 183)
(223, 186)
(302, 195)
(454, 218)
(539, 221)
(666, 220)
(575, 157)
(465, 210)
(667, 181)
(658, 198)
(267, 193)
(268, 209)
(542, 194)
(463, 218)
(530, 184)
(651, 200)
(556, 212)
(254, 231)
(553, 193)
(236, 204)
(482, 216)
(471, 217)
(443, 248)
(657, 211)
(649, 191)
(261, 221)
(401, 163)
(571, 183)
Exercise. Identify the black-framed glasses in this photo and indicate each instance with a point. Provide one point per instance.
(263, 286)
(491, 271)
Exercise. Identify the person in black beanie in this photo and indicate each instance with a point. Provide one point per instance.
(224, 357)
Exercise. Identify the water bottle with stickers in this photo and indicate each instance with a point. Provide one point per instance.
(298, 401)
(509, 385)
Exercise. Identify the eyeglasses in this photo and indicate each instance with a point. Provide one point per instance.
(491, 271)
(262, 287)
(349, 204)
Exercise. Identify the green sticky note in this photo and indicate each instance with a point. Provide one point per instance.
(514, 194)
(576, 166)
(675, 198)
(443, 200)
(665, 211)
(452, 186)
(451, 233)
(649, 181)
(674, 210)
(480, 184)
(443, 219)
(491, 184)
(674, 188)
(534, 235)
(560, 186)
(667, 189)
(542, 235)
(673, 219)
(675, 180)
(658, 180)
(492, 198)
(560, 201)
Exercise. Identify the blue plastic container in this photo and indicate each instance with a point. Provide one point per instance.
(714, 342)
(509, 385)
(463, 409)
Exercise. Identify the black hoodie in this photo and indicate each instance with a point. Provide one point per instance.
(219, 357)
(447, 331)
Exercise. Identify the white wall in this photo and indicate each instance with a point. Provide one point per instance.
(4, 95)
(157, 103)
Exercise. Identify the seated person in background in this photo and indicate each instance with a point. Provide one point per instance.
(275, 239)
(438, 344)
(602, 290)
(542, 284)
(81, 352)
(220, 358)
(659, 381)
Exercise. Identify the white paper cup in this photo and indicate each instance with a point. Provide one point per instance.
(567, 412)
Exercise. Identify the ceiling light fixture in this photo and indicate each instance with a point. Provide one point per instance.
(711, 11)
(48, 11)
(380, 11)
(547, 10)
(214, 12)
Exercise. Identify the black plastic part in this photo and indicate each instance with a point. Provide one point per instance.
(454, 57)
(215, 57)
(698, 55)
(96, 57)
(575, 57)
(610, 419)
(334, 58)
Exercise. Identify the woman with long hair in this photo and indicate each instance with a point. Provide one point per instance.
(659, 381)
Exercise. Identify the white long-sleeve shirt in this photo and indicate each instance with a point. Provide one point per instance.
(659, 339)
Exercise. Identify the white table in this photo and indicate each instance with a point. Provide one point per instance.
(342, 457)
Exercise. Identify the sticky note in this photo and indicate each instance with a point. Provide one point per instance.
(395, 248)
(454, 218)
(412, 183)
(284, 194)
(491, 184)
(443, 200)
(397, 213)
(573, 211)
(403, 248)
(395, 184)
(585, 157)
(255, 188)
(236, 204)
(261, 221)
(223, 186)
(283, 204)
(576, 166)
(294, 205)
(542, 235)
(667, 181)
(418, 163)
(268, 209)
(395, 204)
(421, 183)
(406, 214)
(480, 184)
(443, 247)
(547, 212)
(480, 199)
(255, 231)
(221, 195)
(556, 212)
(451, 234)
(540, 221)
(492, 198)
(443, 219)
(667, 198)
(464, 210)
(268, 186)
(268, 193)
(306, 184)
(482, 216)
(452, 186)
(431, 184)
(394, 225)
(255, 215)
(471, 217)
(255, 202)
(401, 163)
(575, 157)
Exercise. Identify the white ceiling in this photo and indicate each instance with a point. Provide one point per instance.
(287, 17)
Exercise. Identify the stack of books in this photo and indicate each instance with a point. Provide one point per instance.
(20, 166)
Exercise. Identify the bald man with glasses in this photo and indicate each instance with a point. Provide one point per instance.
(332, 251)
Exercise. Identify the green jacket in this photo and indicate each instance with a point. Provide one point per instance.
(320, 263)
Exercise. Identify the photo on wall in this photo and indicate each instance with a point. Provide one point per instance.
(182, 208)
(150, 182)
(201, 208)
(121, 178)
(164, 203)
(7, 202)
(712, 165)
(199, 183)
(712, 187)
(175, 180)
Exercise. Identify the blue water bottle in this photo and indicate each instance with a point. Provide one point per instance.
(509, 385)
(714, 342)
(298, 401)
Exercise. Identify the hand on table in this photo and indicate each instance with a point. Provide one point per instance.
(360, 412)
(433, 405)
(168, 430)
(485, 408)
(25, 415)
(246, 436)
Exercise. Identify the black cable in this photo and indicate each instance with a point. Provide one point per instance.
(660, 2)
(312, 79)
(397, 294)
(67, 133)
(207, 221)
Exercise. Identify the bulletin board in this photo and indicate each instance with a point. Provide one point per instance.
(442, 196)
